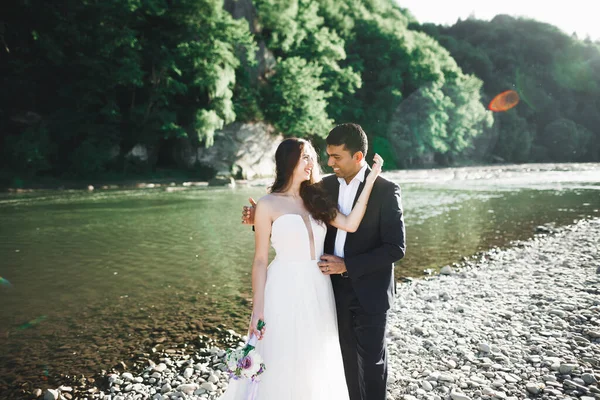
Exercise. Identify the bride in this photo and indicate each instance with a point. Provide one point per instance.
(299, 344)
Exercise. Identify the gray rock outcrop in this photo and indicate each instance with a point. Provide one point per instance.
(244, 150)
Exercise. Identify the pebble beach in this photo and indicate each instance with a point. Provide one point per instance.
(514, 323)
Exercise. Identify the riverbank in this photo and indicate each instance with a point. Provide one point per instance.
(109, 183)
(498, 173)
(511, 324)
(507, 324)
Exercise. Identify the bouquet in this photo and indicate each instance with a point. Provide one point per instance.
(245, 362)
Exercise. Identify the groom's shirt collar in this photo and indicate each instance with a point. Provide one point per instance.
(360, 176)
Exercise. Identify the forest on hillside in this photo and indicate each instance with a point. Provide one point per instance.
(557, 77)
(86, 81)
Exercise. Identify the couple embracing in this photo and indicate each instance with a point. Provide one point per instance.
(326, 295)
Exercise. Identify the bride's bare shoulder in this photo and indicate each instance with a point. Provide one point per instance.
(268, 202)
(266, 199)
(272, 204)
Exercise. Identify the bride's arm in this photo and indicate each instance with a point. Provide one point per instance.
(262, 225)
(350, 222)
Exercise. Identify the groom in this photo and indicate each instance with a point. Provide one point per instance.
(361, 264)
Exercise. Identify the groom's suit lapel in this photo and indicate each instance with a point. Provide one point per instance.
(335, 190)
(350, 237)
(360, 187)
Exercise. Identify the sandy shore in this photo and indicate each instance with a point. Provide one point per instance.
(508, 324)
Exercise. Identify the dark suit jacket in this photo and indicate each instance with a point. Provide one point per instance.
(370, 252)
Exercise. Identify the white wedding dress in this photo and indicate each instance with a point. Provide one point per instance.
(300, 348)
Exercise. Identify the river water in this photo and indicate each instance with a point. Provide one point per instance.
(91, 278)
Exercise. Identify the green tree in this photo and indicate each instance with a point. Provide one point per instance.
(100, 75)
(516, 141)
(566, 141)
(297, 103)
(295, 29)
(189, 53)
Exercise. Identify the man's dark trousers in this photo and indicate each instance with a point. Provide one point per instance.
(362, 340)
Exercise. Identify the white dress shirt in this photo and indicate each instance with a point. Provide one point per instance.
(345, 200)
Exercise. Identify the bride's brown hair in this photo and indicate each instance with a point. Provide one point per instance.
(317, 202)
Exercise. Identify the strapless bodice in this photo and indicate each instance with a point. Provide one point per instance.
(291, 234)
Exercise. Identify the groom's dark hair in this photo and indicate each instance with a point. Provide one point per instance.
(350, 135)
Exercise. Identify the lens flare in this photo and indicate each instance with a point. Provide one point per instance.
(504, 101)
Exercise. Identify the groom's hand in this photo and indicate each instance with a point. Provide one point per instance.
(332, 265)
(248, 213)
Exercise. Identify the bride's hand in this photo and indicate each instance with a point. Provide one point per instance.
(376, 170)
(253, 329)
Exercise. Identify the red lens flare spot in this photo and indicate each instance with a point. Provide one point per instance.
(504, 101)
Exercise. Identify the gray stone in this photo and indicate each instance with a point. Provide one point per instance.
(459, 396)
(567, 368)
(579, 381)
(446, 270)
(160, 367)
(166, 388)
(581, 340)
(559, 313)
(138, 387)
(484, 347)
(426, 386)
(571, 384)
(534, 388)
(446, 378)
(244, 149)
(51, 394)
(589, 379)
(188, 388)
(553, 392)
(209, 386)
